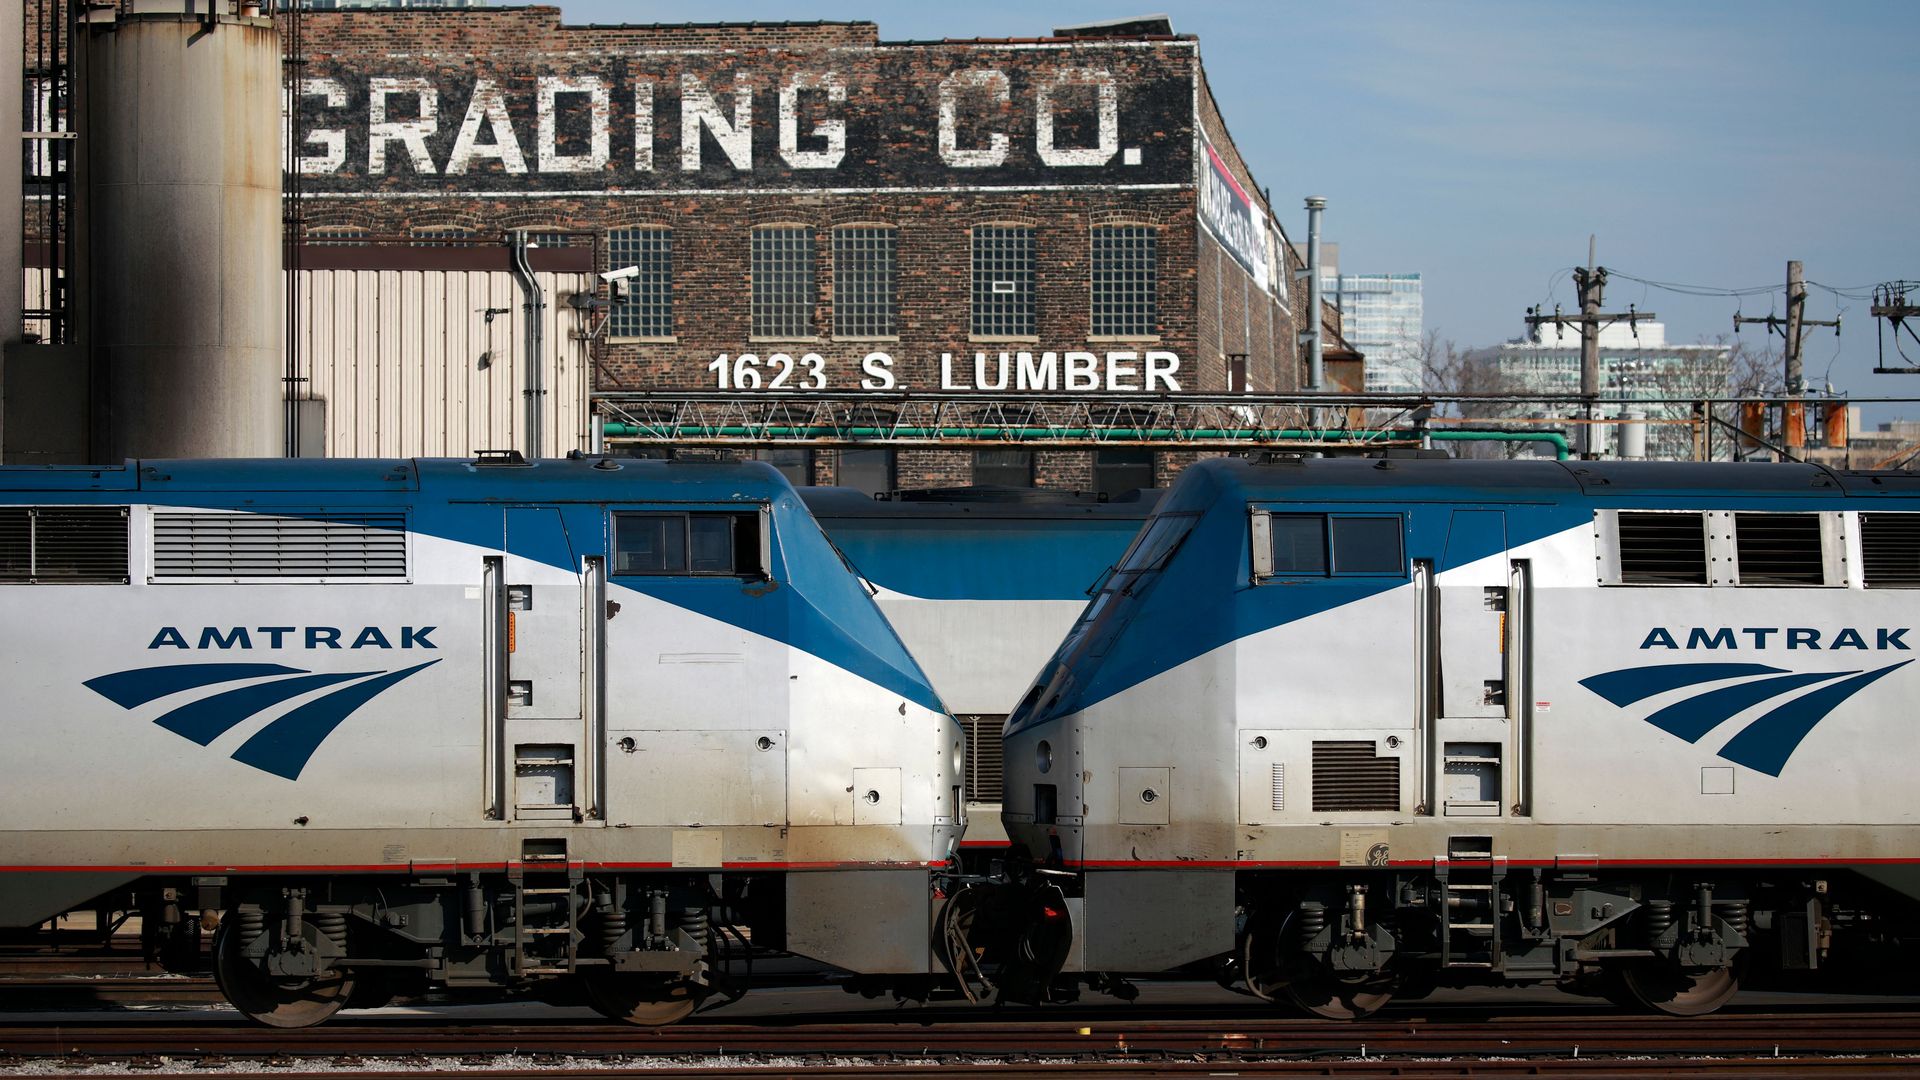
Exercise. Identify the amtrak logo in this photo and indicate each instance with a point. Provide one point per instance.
(1765, 744)
(283, 746)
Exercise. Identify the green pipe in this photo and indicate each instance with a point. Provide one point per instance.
(1561, 450)
(620, 429)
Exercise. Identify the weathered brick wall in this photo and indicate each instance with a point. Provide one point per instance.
(895, 171)
(606, 150)
(1235, 315)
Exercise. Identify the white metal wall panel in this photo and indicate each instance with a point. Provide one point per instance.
(398, 357)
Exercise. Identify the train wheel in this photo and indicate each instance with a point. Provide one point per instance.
(262, 999)
(1675, 991)
(646, 1000)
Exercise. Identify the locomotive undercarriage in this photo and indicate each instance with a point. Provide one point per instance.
(644, 949)
(1680, 943)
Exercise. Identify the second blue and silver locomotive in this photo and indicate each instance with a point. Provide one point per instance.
(1365, 727)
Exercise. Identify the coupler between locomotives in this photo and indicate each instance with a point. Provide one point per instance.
(1009, 933)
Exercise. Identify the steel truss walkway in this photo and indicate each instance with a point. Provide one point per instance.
(1721, 427)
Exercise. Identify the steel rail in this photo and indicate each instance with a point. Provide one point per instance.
(1744, 1035)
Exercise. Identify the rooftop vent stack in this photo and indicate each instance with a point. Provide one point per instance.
(177, 169)
(1316, 371)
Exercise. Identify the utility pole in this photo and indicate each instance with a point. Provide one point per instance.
(1591, 281)
(1891, 301)
(1792, 328)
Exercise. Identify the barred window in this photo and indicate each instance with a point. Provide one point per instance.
(865, 264)
(550, 239)
(1126, 281)
(445, 236)
(1002, 281)
(331, 236)
(1005, 468)
(783, 282)
(647, 310)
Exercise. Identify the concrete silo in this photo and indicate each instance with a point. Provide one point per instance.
(177, 178)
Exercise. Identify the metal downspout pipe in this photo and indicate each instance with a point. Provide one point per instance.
(533, 306)
(1316, 370)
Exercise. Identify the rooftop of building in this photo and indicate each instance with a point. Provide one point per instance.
(831, 32)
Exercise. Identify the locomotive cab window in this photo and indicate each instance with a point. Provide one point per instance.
(689, 544)
(1328, 545)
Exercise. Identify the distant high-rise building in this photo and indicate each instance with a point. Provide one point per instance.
(1381, 316)
(1635, 362)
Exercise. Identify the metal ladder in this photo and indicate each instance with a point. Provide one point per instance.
(546, 920)
(1470, 878)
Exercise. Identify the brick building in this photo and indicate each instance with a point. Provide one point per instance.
(796, 207)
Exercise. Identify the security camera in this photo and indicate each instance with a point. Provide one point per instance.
(617, 282)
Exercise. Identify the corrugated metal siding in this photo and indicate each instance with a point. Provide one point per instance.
(398, 357)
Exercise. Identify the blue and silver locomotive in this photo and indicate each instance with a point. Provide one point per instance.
(1361, 727)
(396, 724)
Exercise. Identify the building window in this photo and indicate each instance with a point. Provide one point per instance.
(867, 471)
(1118, 471)
(337, 237)
(445, 236)
(550, 239)
(794, 464)
(783, 282)
(1126, 281)
(645, 309)
(865, 269)
(1004, 468)
(1002, 281)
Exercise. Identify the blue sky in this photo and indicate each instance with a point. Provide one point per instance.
(1479, 145)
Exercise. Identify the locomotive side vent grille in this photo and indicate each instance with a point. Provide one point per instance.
(63, 545)
(1279, 786)
(985, 757)
(210, 544)
(1662, 549)
(1890, 547)
(1348, 776)
(1779, 549)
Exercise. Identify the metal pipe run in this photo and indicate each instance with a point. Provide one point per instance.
(1357, 438)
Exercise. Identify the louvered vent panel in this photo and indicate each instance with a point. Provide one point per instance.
(200, 545)
(1662, 549)
(1279, 786)
(985, 757)
(1347, 776)
(63, 545)
(16, 538)
(1890, 547)
(1779, 549)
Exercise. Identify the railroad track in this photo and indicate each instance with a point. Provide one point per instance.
(1881, 1034)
